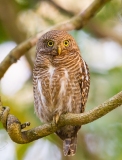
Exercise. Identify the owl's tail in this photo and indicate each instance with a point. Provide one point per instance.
(69, 146)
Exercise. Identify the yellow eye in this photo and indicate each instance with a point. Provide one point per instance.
(50, 43)
(66, 43)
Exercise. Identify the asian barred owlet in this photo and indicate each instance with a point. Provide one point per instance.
(60, 83)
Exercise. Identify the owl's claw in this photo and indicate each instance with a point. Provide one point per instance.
(24, 125)
(56, 118)
(4, 115)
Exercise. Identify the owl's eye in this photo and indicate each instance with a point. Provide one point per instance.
(66, 43)
(50, 43)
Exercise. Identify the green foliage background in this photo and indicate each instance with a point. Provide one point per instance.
(99, 140)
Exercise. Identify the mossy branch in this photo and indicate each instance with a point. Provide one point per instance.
(13, 125)
(76, 22)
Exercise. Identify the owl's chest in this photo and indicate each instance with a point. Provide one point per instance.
(58, 90)
(55, 82)
(56, 78)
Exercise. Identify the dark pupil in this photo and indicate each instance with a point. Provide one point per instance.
(66, 43)
(50, 43)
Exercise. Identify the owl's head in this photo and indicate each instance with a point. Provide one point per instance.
(56, 42)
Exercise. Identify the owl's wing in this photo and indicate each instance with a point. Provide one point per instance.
(84, 83)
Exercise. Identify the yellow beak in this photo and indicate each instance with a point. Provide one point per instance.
(59, 50)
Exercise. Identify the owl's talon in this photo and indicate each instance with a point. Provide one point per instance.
(56, 118)
(24, 125)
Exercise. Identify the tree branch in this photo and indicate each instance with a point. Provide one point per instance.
(76, 22)
(61, 9)
(102, 31)
(18, 136)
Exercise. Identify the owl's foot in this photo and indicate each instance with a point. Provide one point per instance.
(24, 125)
(56, 118)
(4, 115)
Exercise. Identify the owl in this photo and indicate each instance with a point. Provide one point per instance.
(60, 83)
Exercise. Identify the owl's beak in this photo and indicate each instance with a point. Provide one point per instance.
(59, 50)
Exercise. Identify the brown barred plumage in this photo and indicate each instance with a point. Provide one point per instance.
(60, 82)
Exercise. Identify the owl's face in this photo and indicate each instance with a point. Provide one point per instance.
(56, 43)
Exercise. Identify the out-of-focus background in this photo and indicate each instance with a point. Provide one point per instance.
(100, 42)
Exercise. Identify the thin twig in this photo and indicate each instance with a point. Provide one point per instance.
(102, 31)
(60, 8)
